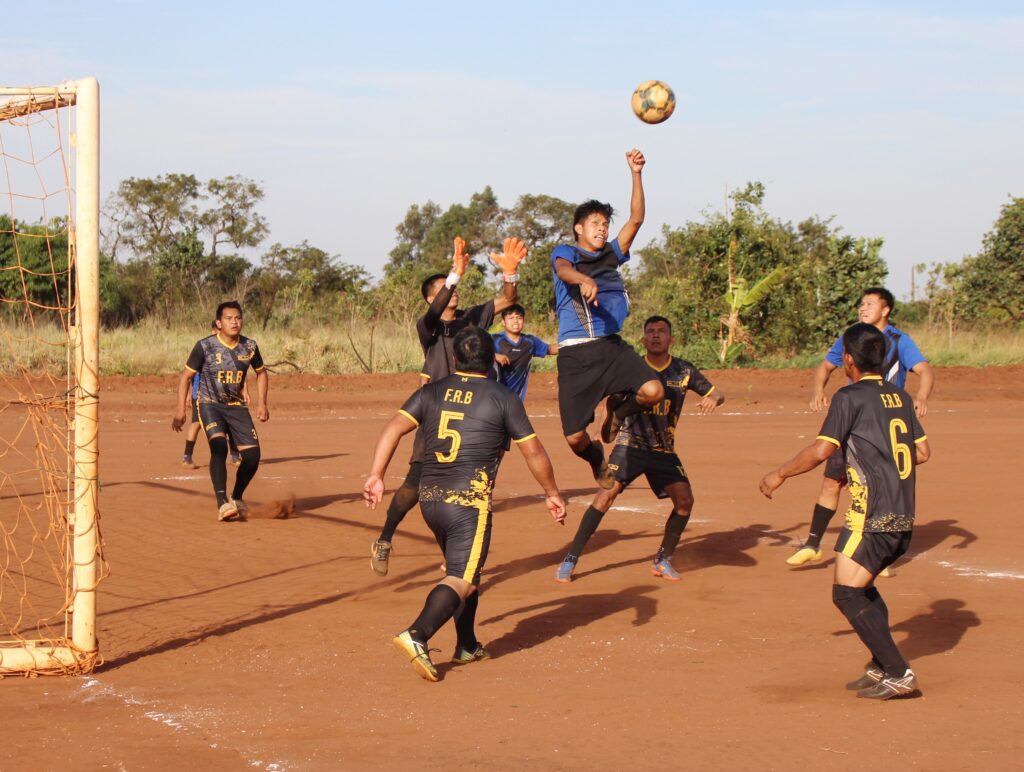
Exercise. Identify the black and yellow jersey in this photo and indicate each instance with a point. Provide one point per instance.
(465, 421)
(874, 425)
(222, 368)
(437, 336)
(654, 428)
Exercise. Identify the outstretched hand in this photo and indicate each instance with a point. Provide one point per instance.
(513, 254)
(461, 259)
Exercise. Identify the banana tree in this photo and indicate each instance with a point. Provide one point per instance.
(740, 297)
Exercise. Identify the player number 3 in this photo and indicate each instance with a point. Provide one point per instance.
(445, 432)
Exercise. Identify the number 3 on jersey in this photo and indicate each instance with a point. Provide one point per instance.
(446, 432)
(901, 452)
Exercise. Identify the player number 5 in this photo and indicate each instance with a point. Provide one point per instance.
(445, 432)
(900, 450)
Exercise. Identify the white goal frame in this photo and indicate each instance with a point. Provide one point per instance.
(80, 654)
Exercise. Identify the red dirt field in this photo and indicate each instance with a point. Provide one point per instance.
(266, 644)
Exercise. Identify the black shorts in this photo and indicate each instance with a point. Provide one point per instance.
(589, 372)
(195, 410)
(873, 551)
(233, 421)
(661, 469)
(464, 535)
(835, 467)
(419, 447)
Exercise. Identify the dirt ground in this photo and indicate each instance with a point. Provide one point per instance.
(266, 644)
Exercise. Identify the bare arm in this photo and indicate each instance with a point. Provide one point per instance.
(924, 451)
(568, 274)
(804, 461)
(637, 206)
(508, 297)
(552, 348)
(710, 401)
(821, 374)
(262, 387)
(399, 425)
(926, 376)
(184, 390)
(540, 467)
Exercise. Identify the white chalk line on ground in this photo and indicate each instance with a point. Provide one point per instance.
(96, 689)
(978, 573)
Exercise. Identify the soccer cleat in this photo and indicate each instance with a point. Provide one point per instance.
(463, 656)
(188, 463)
(380, 553)
(227, 511)
(889, 687)
(804, 555)
(665, 570)
(564, 572)
(241, 507)
(871, 677)
(612, 423)
(236, 459)
(604, 477)
(417, 653)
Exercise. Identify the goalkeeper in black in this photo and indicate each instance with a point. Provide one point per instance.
(465, 420)
(875, 426)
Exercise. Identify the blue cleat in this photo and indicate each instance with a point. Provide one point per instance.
(564, 572)
(664, 569)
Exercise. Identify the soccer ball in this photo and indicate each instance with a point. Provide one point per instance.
(653, 101)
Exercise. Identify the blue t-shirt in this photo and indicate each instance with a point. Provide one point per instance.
(578, 319)
(898, 361)
(516, 373)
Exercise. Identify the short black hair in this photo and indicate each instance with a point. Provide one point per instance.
(515, 308)
(882, 293)
(429, 282)
(587, 208)
(653, 319)
(474, 350)
(866, 344)
(229, 304)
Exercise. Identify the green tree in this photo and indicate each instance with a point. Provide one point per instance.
(993, 280)
(34, 266)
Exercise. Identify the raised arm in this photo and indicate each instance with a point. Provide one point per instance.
(637, 206)
(540, 467)
(513, 253)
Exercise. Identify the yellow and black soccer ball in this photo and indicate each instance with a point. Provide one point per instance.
(653, 101)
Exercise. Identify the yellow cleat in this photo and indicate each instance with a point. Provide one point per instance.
(416, 654)
(804, 555)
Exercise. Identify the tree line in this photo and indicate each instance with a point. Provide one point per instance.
(738, 284)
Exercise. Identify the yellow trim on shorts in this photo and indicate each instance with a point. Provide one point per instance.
(407, 415)
(473, 562)
(835, 442)
(920, 439)
(524, 439)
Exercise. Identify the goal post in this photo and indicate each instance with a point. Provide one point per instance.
(51, 557)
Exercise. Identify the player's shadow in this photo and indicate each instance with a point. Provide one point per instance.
(562, 615)
(319, 457)
(728, 548)
(527, 499)
(928, 536)
(933, 632)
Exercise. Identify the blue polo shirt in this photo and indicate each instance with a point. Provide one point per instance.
(901, 355)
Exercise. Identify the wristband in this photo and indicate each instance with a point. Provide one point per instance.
(510, 278)
(452, 280)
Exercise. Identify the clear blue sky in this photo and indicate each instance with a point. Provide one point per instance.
(902, 120)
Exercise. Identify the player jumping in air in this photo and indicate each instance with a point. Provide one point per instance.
(901, 355)
(222, 361)
(514, 350)
(591, 302)
(437, 329)
(875, 426)
(465, 420)
(645, 445)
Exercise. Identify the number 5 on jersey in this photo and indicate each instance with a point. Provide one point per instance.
(446, 432)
